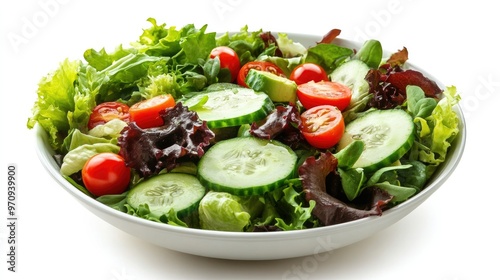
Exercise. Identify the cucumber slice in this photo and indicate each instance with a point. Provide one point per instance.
(352, 74)
(387, 135)
(230, 107)
(246, 166)
(178, 191)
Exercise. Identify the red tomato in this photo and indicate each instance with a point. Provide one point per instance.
(258, 65)
(324, 93)
(322, 126)
(228, 59)
(107, 111)
(146, 113)
(105, 173)
(308, 72)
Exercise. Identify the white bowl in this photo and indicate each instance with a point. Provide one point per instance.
(258, 245)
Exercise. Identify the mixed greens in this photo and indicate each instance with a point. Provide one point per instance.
(238, 155)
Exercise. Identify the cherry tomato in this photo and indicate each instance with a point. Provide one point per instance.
(322, 126)
(146, 113)
(106, 173)
(228, 59)
(107, 111)
(258, 65)
(308, 72)
(324, 93)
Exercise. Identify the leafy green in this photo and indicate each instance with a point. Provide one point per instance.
(288, 47)
(78, 139)
(285, 64)
(353, 180)
(109, 130)
(101, 59)
(159, 40)
(223, 211)
(115, 201)
(348, 156)
(56, 97)
(419, 106)
(248, 45)
(387, 179)
(197, 45)
(298, 213)
(329, 56)
(436, 131)
(75, 159)
(415, 176)
(144, 212)
(370, 53)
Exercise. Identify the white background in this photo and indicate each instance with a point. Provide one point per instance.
(452, 236)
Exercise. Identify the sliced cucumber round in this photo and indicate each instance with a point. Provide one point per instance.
(178, 191)
(230, 107)
(352, 74)
(387, 135)
(246, 166)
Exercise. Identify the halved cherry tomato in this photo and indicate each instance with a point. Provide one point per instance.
(228, 59)
(146, 113)
(258, 65)
(107, 111)
(307, 72)
(106, 173)
(322, 126)
(324, 93)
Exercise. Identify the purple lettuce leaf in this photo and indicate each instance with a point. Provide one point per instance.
(321, 184)
(148, 151)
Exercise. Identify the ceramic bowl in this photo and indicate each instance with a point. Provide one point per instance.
(261, 245)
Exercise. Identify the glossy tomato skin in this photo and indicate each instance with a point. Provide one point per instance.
(308, 72)
(258, 65)
(313, 94)
(322, 126)
(146, 113)
(228, 59)
(106, 173)
(107, 111)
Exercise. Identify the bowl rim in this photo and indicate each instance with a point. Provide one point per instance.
(45, 155)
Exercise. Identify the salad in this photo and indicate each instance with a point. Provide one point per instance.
(245, 131)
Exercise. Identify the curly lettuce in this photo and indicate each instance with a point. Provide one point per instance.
(56, 98)
(437, 125)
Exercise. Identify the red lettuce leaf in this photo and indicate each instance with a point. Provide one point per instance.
(412, 77)
(317, 184)
(151, 150)
(281, 124)
(398, 58)
(269, 40)
(330, 36)
(385, 95)
(388, 85)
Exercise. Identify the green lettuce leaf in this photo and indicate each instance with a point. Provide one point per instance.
(329, 56)
(299, 214)
(77, 138)
(370, 53)
(353, 180)
(223, 211)
(248, 45)
(110, 130)
(75, 159)
(102, 59)
(56, 97)
(441, 127)
(288, 47)
(197, 45)
(158, 40)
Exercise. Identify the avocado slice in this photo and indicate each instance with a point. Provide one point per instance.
(279, 89)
